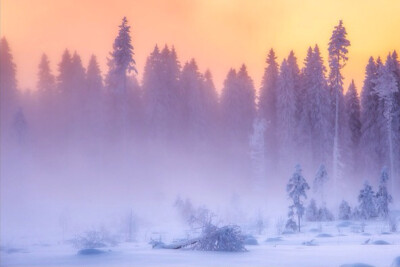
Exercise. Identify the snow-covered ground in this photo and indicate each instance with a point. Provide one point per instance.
(327, 244)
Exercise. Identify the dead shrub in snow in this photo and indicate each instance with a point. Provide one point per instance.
(94, 239)
(226, 238)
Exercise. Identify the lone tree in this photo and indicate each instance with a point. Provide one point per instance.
(337, 60)
(383, 198)
(296, 189)
(121, 62)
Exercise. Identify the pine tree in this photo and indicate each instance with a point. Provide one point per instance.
(366, 200)
(352, 107)
(94, 81)
(371, 119)
(337, 59)
(195, 113)
(296, 189)
(64, 78)
(386, 88)
(8, 85)
(383, 198)
(162, 94)
(121, 61)
(46, 82)
(238, 105)
(321, 178)
(312, 211)
(267, 103)
(286, 109)
(344, 211)
(315, 112)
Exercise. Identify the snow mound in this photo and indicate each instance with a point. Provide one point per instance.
(250, 240)
(324, 235)
(91, 251)
(274, 239)
(344, 224)
(356, 265)
(381, 242)
(396, 262)
(310, 243)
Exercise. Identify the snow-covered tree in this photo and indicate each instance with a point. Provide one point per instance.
(267, 103)
(337, 59)
(324, 214)
(315, 111)
(366, 200)
(291, 224)
(371, 152)
(386, 88)
(312, 211)
(238, 105)
(296, 189)
(321, 178)
(286, 112)
(383, 198)
(352, 107)
(344, 211)
(162, 95)
(121, 61)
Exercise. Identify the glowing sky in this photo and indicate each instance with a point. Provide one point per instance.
(219, 34)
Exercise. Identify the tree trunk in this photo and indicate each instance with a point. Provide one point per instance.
(298, 219)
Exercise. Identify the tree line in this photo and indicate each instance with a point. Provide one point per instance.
(308, 117)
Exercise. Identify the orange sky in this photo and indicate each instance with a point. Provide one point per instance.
(219, 34)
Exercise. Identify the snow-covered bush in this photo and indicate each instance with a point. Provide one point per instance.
(344, 211)
(226, 238)
(312, 211)
(94, 239)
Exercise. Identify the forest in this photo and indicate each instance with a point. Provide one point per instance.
(85, 148)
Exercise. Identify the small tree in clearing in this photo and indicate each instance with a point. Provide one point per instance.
(319, 181)
(383, 198)
(312, 211)
(296, 189)
(344, 211)
(366, 198)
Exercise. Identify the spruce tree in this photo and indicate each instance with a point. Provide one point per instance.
(296, 189)
(267, 104)
(383, 198)
(337, 59)
(352, 107)
(286, 110)
(366, 200)
(386, 88)
(46, 81)
(121, 61)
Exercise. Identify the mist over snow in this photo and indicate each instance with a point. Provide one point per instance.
(171, 152)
